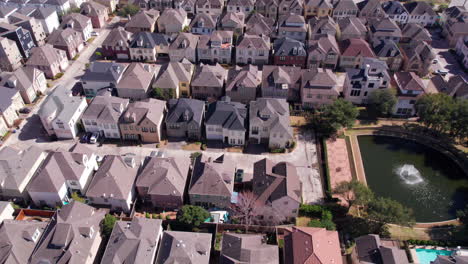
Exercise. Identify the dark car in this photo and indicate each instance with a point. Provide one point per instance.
(85, 138)
(25, 110)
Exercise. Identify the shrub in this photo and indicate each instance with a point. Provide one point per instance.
(76, 57)
(147, 215)
(310, 210)
(293, 145)
(58, 75)
(203, 147)
(278, 150)
(168, 217)
(108, 224)
(196, 229)
(155, 216)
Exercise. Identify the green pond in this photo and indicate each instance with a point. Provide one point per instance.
(420, 177)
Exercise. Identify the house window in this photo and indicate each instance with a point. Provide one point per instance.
(355, 92)
(371, 85)
(152, 130)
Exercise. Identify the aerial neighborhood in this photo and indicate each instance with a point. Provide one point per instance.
(237, 131)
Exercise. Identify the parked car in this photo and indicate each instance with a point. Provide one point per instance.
(435, 61)
(94, 138)
(94, 33)
(25, 110)
(441, 72)
(85, 137)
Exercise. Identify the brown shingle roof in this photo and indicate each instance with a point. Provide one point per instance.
(356, 47)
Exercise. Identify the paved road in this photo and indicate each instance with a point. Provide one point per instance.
(446, 60)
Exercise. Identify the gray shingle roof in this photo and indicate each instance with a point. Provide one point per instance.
(409, 81)
(212, 177)
(103, 71)
(106, 108)
(243, 77)
(173, 16)
(209, 75)
(70, 235)
(76, 21)
(277, 111)
(345, 5)
(149, 40)
(62, 103)
(178, 108)
(189, 40)
(248, 249)
(394, 8)
(416, 32)
(113, 179)
(419, 8)
(352, 25)
(143, 19)
(254, 42)
(164, 176)
(64, 37)
(138, 76)
(172, 74)
(6, 97)
(15, 165)
(386, 48)
(229, 115)
(289, 47)
(118, 37)
(152, 109)
(257, 24)
(320, 79)
(184, 247)
(202, 20)
(45, 56)
(133, 242)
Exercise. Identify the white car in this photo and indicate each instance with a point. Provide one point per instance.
(441, 72)
(94, 33)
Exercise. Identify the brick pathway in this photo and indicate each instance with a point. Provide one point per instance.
(338, 162)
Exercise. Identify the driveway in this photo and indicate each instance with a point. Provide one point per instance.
(446, 59)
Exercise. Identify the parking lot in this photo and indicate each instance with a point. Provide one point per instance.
(446, 61)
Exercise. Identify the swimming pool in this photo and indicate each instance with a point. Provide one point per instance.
(425, 256)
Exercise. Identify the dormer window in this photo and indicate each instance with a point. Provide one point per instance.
(36, 235)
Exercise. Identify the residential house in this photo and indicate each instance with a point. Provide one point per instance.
(456, 86)
(203, 24)
(29, 81)
(102, 75)
(136, 82)
(389, 52)
(323, 53)
(175, 76)
(243, 83)
(462, 51)
(98, 13)
(240, 6)
(184, 118)
(409, 88)
(383, 29)
(6, 212)
(281, 82)
(162, 182)
(113, 184)
(173, 21)
(73, 235)
(68, 40)
(300, 245)
(47, 16)
(353, 52)
(247, 248)
(143, 121)
(292, 26)
(457, 259)
(61, 174)
(216, 47)
(3, 128)
(269, 123)
(225, 121)
(421, 12)
(350, 28)
(396, 11)
(184, 47)
(253, 49)
(48, 59)
(257, 24)
(267, 8)
(212, 182)
(110, 4)
(78, 22)
(371, 9)
(211, 7)
(103, 114)
(10, 56)
(22, 37)
(146, 46)
(143, 21)
(317, 8)
(117, 44)
(290, 52)
(10, 103)
(359, 83)
(415, 33)
(278, 187)
(233, 21)
(187, 5)
(159, 5)
(287, 7)
(319, 87)
(195, 247)
(454, 26)
(20, 238)
(369, 249)
(417, 57)
(134, 241)
(208, 81)
(322, 27)
(60, 114)
(15, 178)
(31, 24)
(344, 9)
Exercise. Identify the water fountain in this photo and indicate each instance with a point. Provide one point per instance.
(409, 174)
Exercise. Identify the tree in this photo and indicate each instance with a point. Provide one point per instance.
(108, 224)
(77, 198)
(383, 101)
(247, 208)
(385, 210)
(128, 10)
(354, 192)
(459, 120)
(463, 215)
(163, 94)
(192, 215)
(435, 111)
(335, 116)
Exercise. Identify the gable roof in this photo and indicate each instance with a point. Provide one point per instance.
(92, 8)
(394, 8)
(419, 8)
(133, 241)
(143, 19)
(247, 248)
(172, 74)
(202, 20)
(420, 51)
(173, 16)
(345, 5)
(319, 79)
(164, 176)
(151, 109)
(149, 40)
(184, 107)
(249, 77)
(118, 37)
(76, 21)
(384, 27)
(254, 42)
(104, 71)
(209, 75)
(65, 37)
(277, 111)
(356, 47)
(289, 47)
(272, 75)
(138, 76)
(386, 48)
(45, 56)
(323, 45)
(184, 247)
(369, 249)
(184, 41)
(408, 81)
(227, 114)
(416, 32)
(7, 95)
(257, 24)
(212, 177)
(60, 104)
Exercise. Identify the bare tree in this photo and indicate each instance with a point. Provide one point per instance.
(247, 208)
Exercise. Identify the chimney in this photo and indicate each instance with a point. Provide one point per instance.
(129, 161)
(366, 70)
